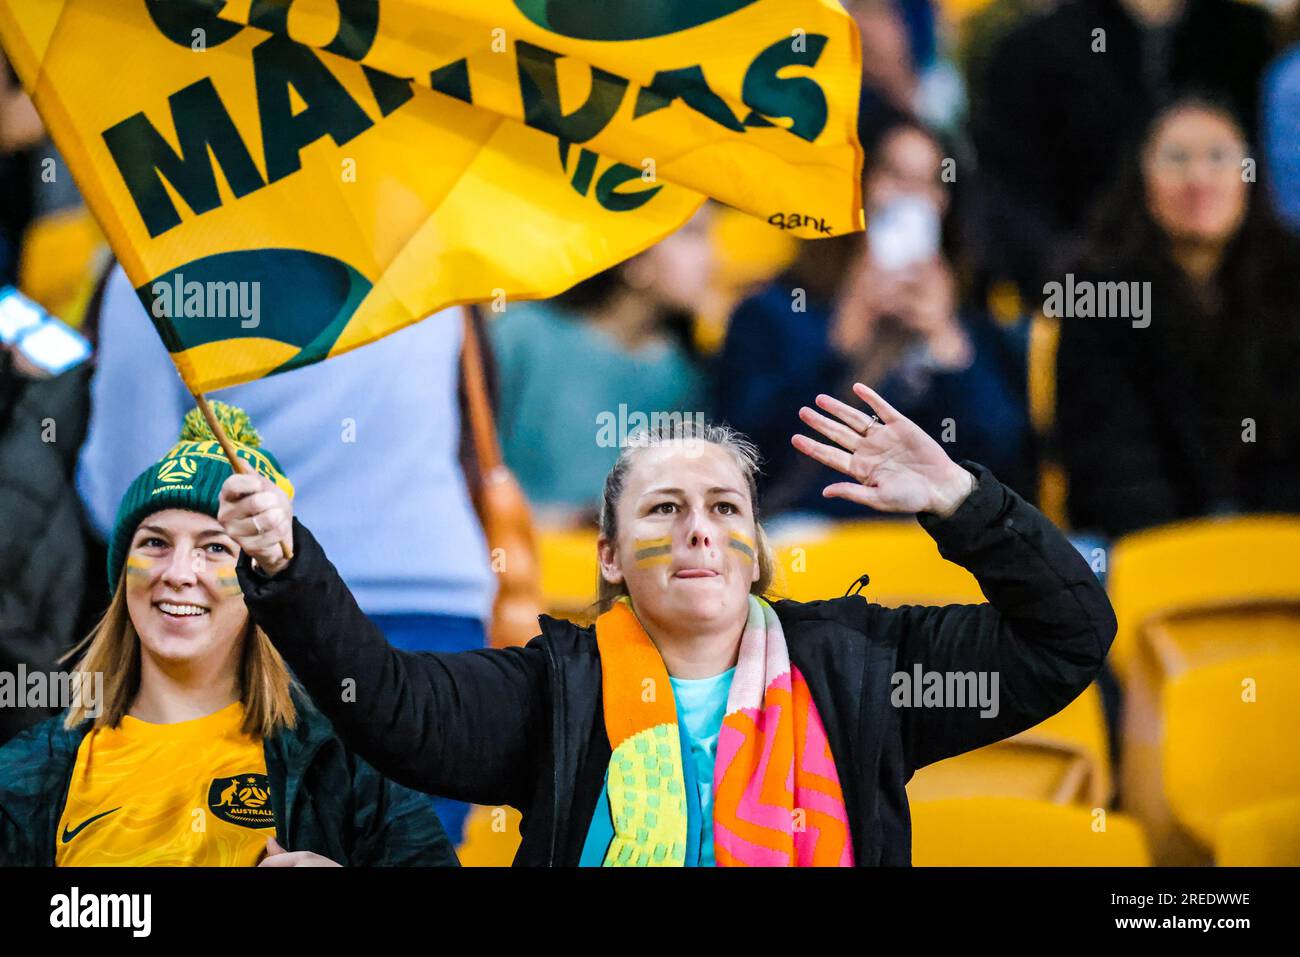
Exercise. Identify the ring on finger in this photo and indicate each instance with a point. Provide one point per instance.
(257, 525)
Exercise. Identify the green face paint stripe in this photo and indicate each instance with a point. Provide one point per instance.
(648, 550)
(652, 552)
(656, 558)
(742, 544)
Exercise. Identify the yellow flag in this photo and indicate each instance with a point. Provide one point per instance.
(284, 180)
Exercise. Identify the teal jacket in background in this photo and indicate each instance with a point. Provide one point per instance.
(561, 378)
(326, 799)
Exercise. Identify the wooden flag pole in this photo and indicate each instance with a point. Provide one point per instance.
(236, 463)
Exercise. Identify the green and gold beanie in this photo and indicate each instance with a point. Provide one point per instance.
(190, 476)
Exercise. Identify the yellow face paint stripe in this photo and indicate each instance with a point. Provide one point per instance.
(229, 581)
(137, 567)
(652, 551)
(743, 544)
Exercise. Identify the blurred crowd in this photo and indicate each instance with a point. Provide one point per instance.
(1010, 146)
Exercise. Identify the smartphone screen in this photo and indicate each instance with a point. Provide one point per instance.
(54, 347)
(904, 232)
(18, 314)
(48, 343)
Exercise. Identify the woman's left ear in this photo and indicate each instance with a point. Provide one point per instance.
(610, 567)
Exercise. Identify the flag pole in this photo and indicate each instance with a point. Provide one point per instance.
(236, 463)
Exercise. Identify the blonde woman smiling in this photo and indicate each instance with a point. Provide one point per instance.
(201, 751)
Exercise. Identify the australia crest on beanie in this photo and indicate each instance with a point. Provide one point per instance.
(190, 477)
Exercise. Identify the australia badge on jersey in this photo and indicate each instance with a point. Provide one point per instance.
(243, 799)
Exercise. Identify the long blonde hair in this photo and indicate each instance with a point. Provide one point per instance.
(113, 649)
(678, 429)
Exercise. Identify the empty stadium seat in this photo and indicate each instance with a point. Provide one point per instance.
(1261, 835)
(1230, 733)
(1044, 338)
(569, 571)
(1229, 561)
(1016, 832)
(901, 557)
(1170, 648)
(1011, 769)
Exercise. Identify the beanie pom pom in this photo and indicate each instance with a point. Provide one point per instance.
(233, 419)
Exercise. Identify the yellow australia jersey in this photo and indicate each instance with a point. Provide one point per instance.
(150, 795)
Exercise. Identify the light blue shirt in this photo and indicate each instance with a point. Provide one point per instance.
(701, 706)
(369, 439)
(557, 367)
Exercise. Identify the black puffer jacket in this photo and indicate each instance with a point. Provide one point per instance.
(524, 727)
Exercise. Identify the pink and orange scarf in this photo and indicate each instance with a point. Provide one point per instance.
(776, 792)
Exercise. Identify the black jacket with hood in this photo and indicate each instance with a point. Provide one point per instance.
(524, 726)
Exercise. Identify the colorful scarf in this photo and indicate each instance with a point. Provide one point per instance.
(776, 793)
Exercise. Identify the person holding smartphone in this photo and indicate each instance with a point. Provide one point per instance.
(43, 393)
(885, 309)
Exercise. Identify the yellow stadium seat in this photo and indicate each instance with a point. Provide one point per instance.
(1017, 832)
(902, 559)
(1011, 769)
(1080, 727)
(1044, 338)
(1230, 734)
(1065, 760)
(569, 571)
(1170, 648)
(1262, 835)
(1197, 564)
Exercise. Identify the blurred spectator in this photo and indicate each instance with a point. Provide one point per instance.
(1281, 127)
(611, 347)
(42, 556)
(20, 129)
(903, 66)
(885, 312)
(1065, 94)
(1199, 412)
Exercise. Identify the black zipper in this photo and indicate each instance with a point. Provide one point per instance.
(555, 742)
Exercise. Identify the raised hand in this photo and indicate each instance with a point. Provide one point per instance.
(257, 514)
(894, 465)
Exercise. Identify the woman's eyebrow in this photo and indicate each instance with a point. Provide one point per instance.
(677, 491)
(153, 528)
(210, 532)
